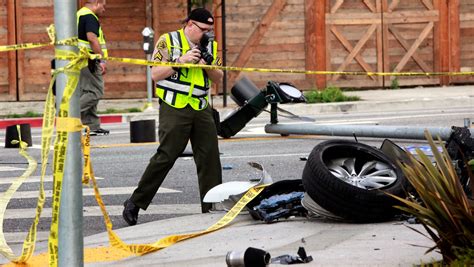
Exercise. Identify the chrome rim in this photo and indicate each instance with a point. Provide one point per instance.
(372, 175)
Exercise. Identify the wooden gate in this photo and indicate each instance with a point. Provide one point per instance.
(34, 65)
(7, 60)
(409, 30)
(354, 41)
(266, 34)
(383, 36)
(461, 18)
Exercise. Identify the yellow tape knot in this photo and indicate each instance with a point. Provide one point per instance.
(68, 124)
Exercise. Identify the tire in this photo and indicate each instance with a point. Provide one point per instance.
(359, 196)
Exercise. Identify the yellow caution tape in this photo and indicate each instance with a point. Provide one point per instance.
(5, 250)
(271, 70)
(68, 124)
(60, 146)
(74, 40)
(47, 131)
(52, 36)
(140, 249)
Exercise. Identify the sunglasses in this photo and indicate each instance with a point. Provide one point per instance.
(201, 28)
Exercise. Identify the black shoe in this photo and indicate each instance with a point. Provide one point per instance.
(100, 131)
(206, 207)
(130, 212)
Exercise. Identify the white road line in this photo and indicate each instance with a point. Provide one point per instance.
(9, 169)
(94, 211)
(32, 179)
(90, 192)
(19, 237)
(265, 156)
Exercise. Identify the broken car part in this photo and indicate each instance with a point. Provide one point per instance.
(251, 257)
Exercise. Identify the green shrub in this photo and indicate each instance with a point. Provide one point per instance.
(28, 114)
(133, 110)
(395, 84)
(328, 95)
(114, 110)
(443, 208)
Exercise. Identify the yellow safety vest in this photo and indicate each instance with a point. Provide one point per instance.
(188, 85)
(86, 11)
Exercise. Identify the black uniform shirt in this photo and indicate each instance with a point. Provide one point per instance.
(88, 23)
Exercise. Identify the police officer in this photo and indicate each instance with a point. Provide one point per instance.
(91, 83)
(184, 112)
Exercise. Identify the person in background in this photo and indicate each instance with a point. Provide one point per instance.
(91, 83)
(184, 112)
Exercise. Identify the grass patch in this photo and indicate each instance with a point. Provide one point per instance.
(113, 110)
(328, 95)
(395, 84)
(28, 114)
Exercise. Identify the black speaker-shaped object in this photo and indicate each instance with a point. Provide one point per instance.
(253, 101)
(142, 131)
(12, 134)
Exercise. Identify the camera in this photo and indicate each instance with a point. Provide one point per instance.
(206, 38)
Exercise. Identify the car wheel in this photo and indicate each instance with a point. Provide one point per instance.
(351, 180)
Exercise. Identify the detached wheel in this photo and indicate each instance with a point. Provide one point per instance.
(350, 180)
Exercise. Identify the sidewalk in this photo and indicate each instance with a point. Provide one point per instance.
(329, 243)
(371, 101)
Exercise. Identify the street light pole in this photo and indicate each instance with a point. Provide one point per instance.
(70, 239)
(399, 132)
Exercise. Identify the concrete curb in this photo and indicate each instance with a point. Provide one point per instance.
(298, 109)
(38, 122)
(371, 101)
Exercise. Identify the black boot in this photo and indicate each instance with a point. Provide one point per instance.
(130, 212)
(99, 131)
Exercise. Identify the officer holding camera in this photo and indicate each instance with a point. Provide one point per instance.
(184, 112)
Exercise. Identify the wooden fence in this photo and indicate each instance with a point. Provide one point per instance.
(338, 35)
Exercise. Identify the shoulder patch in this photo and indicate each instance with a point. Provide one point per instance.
(218, 61)
(158, 56)
(161, 44)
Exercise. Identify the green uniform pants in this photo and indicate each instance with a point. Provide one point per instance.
(176, 128)
(91, 85)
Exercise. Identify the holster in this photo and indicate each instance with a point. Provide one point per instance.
(92, 65)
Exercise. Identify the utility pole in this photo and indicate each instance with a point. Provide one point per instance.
(70, 240)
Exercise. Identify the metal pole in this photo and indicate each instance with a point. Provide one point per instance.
(70, 240)
(224, 55)
(399, 132)
(149, 83)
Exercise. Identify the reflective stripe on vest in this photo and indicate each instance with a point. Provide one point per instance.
(84, 43)
(188, 85)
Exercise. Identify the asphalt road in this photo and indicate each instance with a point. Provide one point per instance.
(118, 164)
